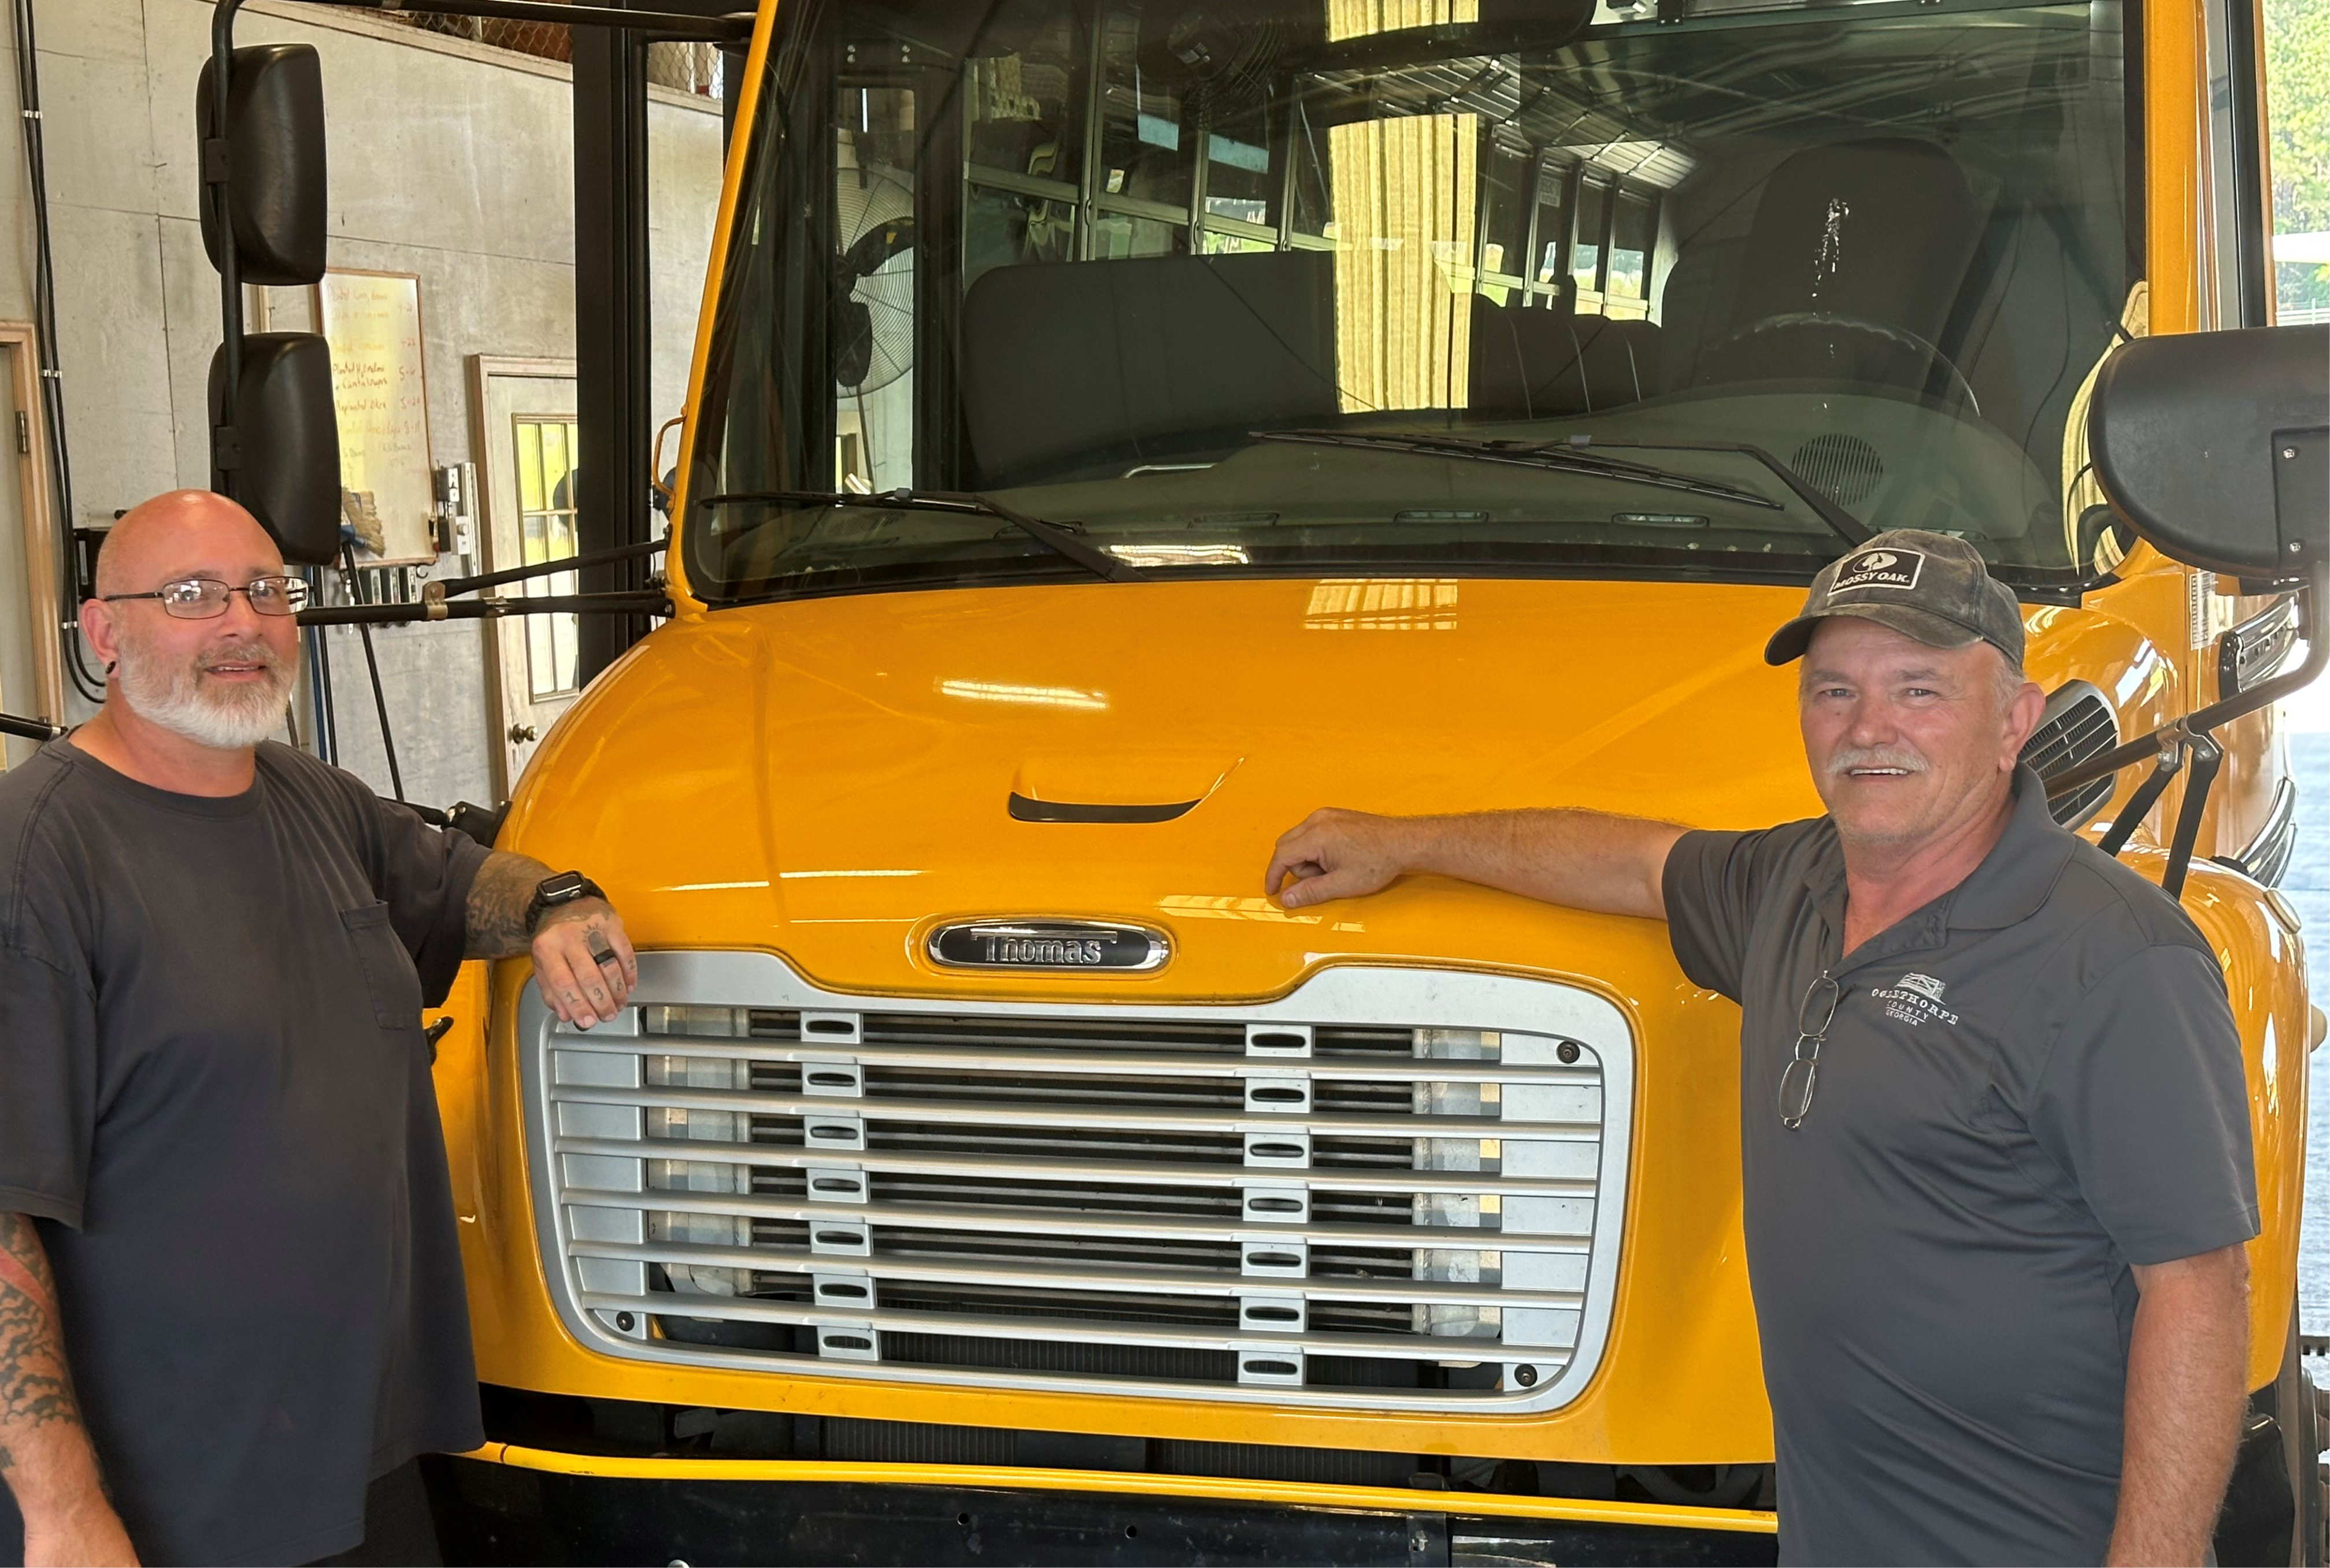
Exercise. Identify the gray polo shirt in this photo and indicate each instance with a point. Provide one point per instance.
(2030, 1084)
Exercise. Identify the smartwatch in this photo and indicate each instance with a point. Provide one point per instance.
(552, 892)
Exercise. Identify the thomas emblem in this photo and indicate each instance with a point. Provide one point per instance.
(1048, 945)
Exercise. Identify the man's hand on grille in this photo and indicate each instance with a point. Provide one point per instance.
(583, 961)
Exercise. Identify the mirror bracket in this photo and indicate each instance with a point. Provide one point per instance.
(2193, 738)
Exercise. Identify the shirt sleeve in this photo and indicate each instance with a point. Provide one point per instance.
(2144, 1101)
(1712, 884)
(48, 1084)
(423, 874)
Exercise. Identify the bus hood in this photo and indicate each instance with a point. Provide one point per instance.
(825, 777)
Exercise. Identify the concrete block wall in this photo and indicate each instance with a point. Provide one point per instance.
(449, 160)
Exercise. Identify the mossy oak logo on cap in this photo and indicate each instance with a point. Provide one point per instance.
(1879, 568)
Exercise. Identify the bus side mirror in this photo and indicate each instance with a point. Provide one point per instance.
(286, 459)
(271, 152)
(2216, 447)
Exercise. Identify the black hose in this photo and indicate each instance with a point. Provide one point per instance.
(372, 662)
(86, 680)
(319, 681)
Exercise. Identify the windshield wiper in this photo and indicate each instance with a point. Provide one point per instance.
(1578, 455)
(1052, 535)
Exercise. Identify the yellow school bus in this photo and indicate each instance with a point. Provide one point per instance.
(1119, 427)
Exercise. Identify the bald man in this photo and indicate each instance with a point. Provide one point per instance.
(231, 1302)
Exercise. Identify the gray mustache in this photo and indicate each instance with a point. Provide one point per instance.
(1851, 757)
(257, 653)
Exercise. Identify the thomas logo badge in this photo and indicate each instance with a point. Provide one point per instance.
(1879, 569)
(1048, 945)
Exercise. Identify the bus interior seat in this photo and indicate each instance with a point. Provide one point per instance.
(2025, 292)
(1077, 367)
(1882, 231)
(1540, 363)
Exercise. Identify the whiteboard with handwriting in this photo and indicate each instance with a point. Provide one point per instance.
(373, 322)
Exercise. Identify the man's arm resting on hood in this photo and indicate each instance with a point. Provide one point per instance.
(1580, 859)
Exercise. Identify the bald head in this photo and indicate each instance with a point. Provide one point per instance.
(183, 534)
(218, 677)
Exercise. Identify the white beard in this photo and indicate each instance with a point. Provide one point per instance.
(230, 718)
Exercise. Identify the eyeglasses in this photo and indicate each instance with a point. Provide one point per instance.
(205, 598)
(1812, 1019)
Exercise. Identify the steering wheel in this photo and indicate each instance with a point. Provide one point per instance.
(1899, 337)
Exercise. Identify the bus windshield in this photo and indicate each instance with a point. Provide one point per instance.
(1225, 286)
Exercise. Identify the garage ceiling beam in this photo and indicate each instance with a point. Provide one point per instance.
(659, 26)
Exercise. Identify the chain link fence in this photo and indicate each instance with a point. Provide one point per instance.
(690, 68)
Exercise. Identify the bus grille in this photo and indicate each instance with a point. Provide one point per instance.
(1284, 1201)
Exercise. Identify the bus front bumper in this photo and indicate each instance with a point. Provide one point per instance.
(508, 1504)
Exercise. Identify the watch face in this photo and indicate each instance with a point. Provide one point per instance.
(558, 889)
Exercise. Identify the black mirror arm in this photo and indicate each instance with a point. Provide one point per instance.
(448, 587)
(489, 609)
(2207, 757)
(2168, 760)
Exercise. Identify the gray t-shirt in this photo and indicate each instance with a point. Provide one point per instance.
(2029, 1085)
(216, 1097)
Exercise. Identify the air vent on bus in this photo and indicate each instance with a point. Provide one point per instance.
(2078, 724)
(1845, 468)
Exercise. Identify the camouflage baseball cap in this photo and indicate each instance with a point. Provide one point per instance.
(1927, 586)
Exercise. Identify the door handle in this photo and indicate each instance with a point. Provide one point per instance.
(519, 735)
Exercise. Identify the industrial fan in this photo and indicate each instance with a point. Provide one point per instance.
(872, 282)
(1225, 54)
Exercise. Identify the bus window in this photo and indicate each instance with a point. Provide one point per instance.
(1631, 231)
(874, 331)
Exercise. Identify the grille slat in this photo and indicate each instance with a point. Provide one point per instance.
(1053, 1277)
(1207, 1202)
(1406, 1068)
(1067, 1170)
(1065, 1222)
(1023, 1112)
(746, 1309)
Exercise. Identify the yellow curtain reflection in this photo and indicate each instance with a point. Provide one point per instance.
(1404, 218)
(1359, 18)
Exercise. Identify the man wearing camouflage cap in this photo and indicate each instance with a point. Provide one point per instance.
(1995, 1147)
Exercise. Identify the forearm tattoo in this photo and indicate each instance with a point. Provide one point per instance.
(494, 923)
(35, 1388)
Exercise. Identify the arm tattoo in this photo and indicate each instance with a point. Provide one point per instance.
(35, 1388)
(495, 920)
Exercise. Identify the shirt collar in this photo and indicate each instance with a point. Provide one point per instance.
(2015, 878)
(2010, 885)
